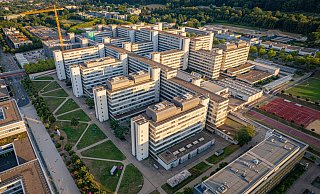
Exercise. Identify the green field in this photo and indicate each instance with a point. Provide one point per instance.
(227, 152)
(57, 93)
(67, 106)
(73, 132)
(309, 89)
(78, 114)
(101, 172)
(105, 150)
(92, 135)
(39, 85)
(53, 102)
(132, 181)
(52, 86)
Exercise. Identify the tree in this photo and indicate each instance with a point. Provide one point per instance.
(90, 102)
(114, 124)
(153, 20)
(262, 51)
(74, 122)
(245, 134)
(271, 53)
(187, 190)
(253, 49)
(119, 132)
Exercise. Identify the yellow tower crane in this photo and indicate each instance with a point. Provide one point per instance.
(56, 17)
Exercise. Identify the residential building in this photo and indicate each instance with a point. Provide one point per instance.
(95, 72)
(257, 170)
(63, 59)
(234, 54)
(15, 38)
(166, 124)
(127, 96)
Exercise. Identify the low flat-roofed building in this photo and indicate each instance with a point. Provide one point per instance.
(257, 170)
(20, 169)
(254, 76)
(241, 90)
(234, 71)
(4, 93)
(11, 121)
(16, 38)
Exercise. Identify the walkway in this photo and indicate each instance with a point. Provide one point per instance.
(59, 172)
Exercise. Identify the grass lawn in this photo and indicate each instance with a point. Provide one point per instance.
(227, 151)
(92, 135)
(44, 78)
(105, 150)
(53, 85)
(57, 93)
(78, 114)
(195, 171)
(53, 103)
(101, 172)
(67, 106)
(38, 85)
(307, 89)
(73, 132)
(132, 181)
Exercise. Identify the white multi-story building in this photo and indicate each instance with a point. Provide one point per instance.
(170, 58)
(11, 121)
(234, 54)
(128, 96)
(166, 124)
(63, 59)
(206, 62)
(140, 48)
(93, 73)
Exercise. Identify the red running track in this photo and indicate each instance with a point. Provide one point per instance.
(292, 111)
(286, 129)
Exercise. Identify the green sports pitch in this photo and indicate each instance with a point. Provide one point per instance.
(308, 89)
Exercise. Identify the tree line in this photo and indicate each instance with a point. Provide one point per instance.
(256, 17)
(42, 65)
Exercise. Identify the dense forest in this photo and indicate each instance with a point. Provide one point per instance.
(270, 5)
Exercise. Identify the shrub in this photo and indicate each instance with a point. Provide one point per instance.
(51, 135)
(58, 145)
(61, 137)
(68, 147)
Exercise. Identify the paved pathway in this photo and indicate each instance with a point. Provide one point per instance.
(120, 179)
(49, 152)
(54, 112)
(92, 145)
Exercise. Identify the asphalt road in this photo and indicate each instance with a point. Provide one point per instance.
(9, 64)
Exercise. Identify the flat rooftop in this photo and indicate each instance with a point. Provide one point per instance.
(99, 62)
(199, 90)
(254, 76)
(212, 87)
(246, 66)
(9, 113)
(3, 89)
(26, 168)
(255, 165)
(186, 146)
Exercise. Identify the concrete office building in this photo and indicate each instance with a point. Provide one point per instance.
(11, 121)
(166, 124)
(93, 73)
(16, 38)
(234, 54)
(117, 41)
(63, 59)
(4, 93)
(206, 62)
(127, 96)
(257, 170)
(140, 48)
(170, 58)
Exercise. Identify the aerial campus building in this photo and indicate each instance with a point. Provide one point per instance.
(95, 72)
(257, 170)
(124, 97)
(166, 124)
(20, 168)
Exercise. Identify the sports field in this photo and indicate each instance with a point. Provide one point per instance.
(307, 89)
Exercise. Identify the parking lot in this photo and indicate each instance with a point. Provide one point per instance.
(34, 55)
